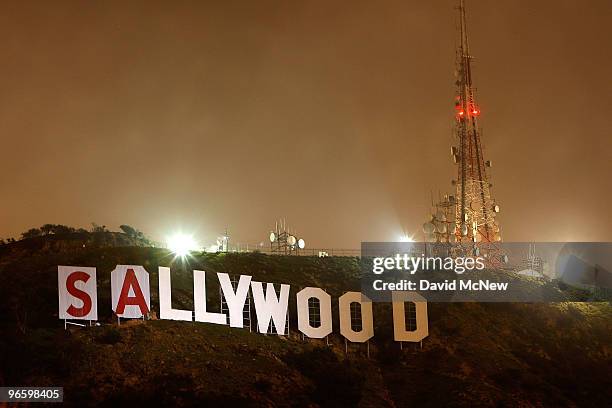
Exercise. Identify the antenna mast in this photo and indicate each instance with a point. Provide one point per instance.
(475, 208)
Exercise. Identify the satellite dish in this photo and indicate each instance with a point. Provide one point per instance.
(496, 208)
(440, 216)
(272, 237)
(428, 228)
(301, 243)
(291, 240)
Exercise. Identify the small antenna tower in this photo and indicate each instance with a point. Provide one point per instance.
(283, 241)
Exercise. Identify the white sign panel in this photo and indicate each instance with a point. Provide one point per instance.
(367, 318)
(269, 307)
(399, 317)
(166, 311)
(304, 312)
(199, 301)
(235, 300)
(130, 291)
(78, 295)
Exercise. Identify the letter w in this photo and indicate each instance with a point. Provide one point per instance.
(268, 306)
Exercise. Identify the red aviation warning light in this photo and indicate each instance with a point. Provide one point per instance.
(459, 108)
(470, 109)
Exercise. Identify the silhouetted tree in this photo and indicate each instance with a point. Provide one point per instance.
(62, 229)
(47, 229)
(134, 233)
(31, 233)
(129, 231)
(98, 228)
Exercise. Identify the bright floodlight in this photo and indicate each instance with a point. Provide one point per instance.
(181, 244)
(406, 238)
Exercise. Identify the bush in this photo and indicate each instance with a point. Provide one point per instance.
(110, 335)
(337, 383)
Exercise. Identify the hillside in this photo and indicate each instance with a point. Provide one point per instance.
(476, 355)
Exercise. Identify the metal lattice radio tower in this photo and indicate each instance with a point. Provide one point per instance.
(469, 217)
(475, 209)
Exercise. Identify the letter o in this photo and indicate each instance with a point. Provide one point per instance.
(304, 314)
(367, 320)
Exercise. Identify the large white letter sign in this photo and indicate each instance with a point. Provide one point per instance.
(399, 317)
(268, 306)
(130, 291)
(304, 313)
(165, 299)
(78, 295)
(367, 320)
(199, 301)
(235, 301)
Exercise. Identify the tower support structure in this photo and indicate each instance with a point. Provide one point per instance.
(475, 209)
(467, 221)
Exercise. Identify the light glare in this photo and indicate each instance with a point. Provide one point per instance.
(181, 244)
(406, 238)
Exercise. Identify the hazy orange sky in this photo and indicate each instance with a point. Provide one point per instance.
(336, 115)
